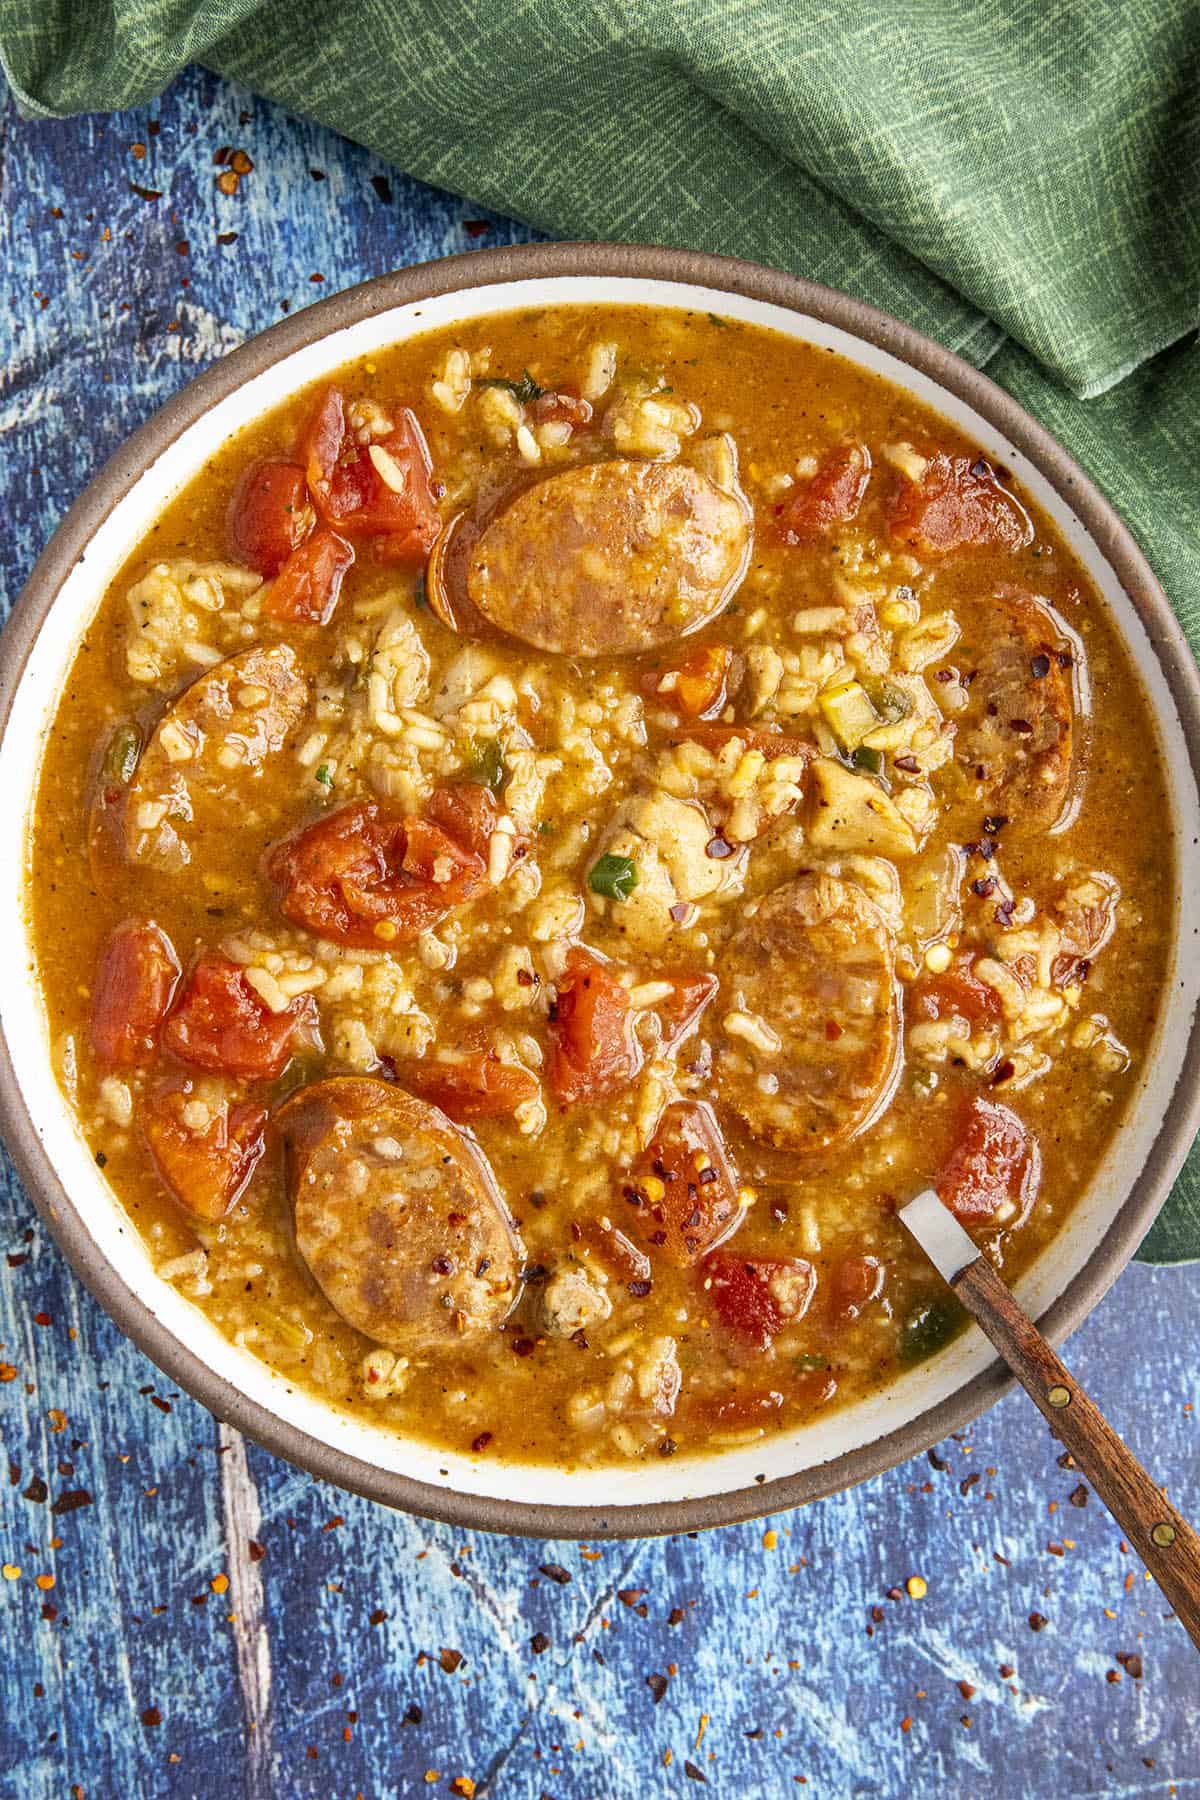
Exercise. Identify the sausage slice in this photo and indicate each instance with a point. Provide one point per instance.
(809, 1039)
(610, 558)
(220, 730)
(397, 1215)
(1016, 737)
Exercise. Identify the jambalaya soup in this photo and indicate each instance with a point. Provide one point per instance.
(552, 838)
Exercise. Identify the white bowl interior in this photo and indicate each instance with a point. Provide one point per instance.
(25, 1026)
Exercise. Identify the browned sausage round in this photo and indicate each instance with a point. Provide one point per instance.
(397, 1214)
(219, 731)
(808, 1043)
(1015, 739)
(610, 558)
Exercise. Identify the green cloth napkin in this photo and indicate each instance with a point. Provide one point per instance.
(1018, 178)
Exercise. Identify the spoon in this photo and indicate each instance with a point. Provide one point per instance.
(1163, 1539)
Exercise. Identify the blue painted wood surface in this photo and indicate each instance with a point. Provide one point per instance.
(167, 1658)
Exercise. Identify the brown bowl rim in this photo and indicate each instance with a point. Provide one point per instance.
(721, 275)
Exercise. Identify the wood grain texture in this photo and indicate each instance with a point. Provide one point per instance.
(129, 1678)
(1162, 1538)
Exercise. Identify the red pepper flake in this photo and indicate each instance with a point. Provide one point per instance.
(1079, 1496)
(145, 193)
(1131, 1662)
(228, 181)
(182, 247)
(1007, 1671)
(227, 237)
(476, 227)
(14, 1262)
(967, 1691)
(555, 1572)
(257, 1550)
(449, 1660)
(378, 1616)
(521, 1346)
(37, 1491)
(7, 1371)
(657, 1685)
(383, 188)
(43, 1318)
(162, 1405)
(1054, 1549)
(637, 1290)
(539, 1643)
(151, 1717)
(906, 1723)
(481, 1442)
(412, 1714)
(316, 278)
(630, 1596)
(332, 1524)
(667, 1447)
(693, 1773)
(71, 1501)
(1037, 1621)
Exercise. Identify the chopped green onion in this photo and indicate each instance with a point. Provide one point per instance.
(420, 597)
(929, 1325)
(486, 763)
(866, 758)
(324, 777)
(613, 876)
(121, 755)
(811, 1364)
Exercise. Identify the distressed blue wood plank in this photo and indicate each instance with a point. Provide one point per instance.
(338, 1627)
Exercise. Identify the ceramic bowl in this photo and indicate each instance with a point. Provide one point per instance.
(683, 1493)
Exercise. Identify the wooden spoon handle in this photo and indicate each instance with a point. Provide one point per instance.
(1163, 1539)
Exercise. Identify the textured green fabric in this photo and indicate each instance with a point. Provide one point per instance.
(1018, 178)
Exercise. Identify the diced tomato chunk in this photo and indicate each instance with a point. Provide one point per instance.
(222, 1025)
(956, 993)
(755, 1297)
(270, 514)
(307, 587)
(369, 875)
(957, 504)
(684, 1189)
(696, 685)
(855, 1283)
(683, 1009)
(832, 496)
(470, 813)
(205, 1169)
(477, 1086)
(382, 490)
(594, 1050)
(995, 1164)
(131, 995)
